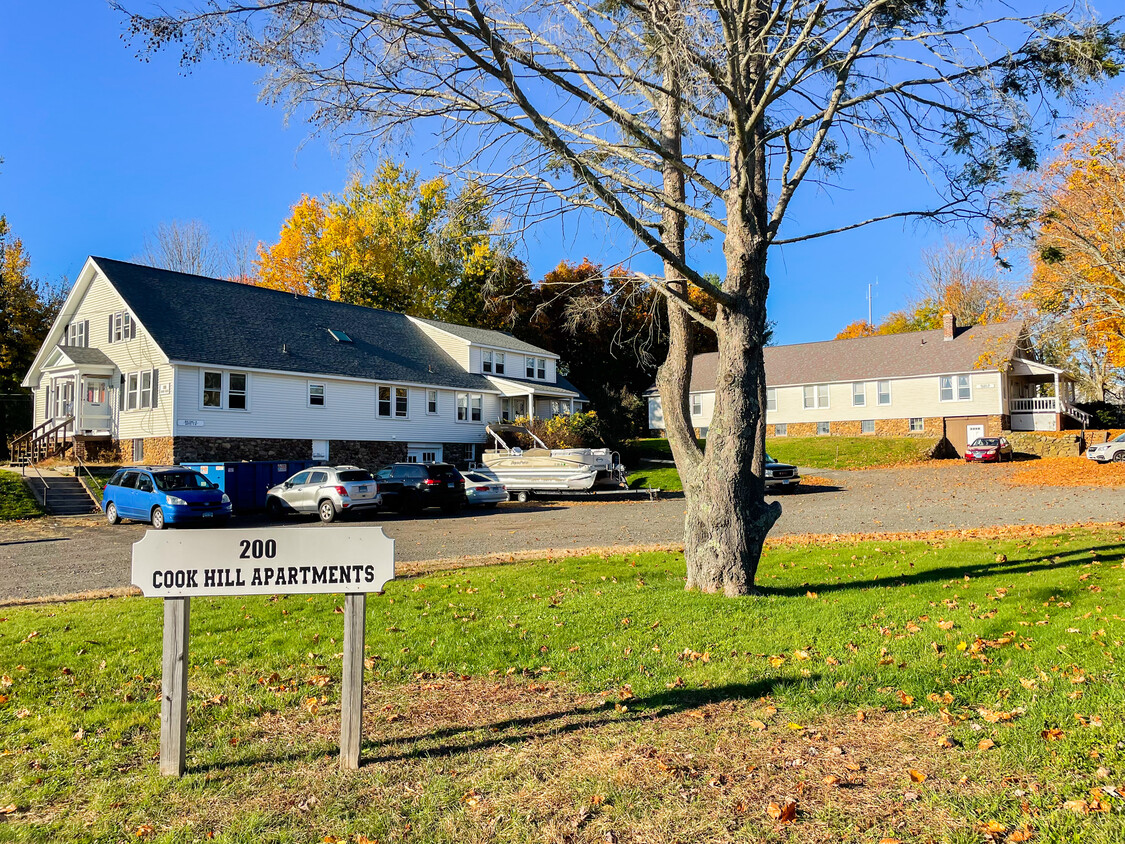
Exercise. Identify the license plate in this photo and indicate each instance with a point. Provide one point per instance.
(450, 484)
(208, 515)
(363, 489)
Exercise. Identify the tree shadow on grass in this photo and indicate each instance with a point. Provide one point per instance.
(444, 742)
(1047, 562)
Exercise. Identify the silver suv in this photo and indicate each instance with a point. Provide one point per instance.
(329, 491)
(1113, 450)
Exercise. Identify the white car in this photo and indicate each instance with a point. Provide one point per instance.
(481, 490)
(1113, 450)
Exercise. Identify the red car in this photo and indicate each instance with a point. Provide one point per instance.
(988, 450)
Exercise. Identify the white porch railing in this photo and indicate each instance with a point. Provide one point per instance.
(1040, 405)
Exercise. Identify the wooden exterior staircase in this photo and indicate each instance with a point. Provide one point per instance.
(49, 439)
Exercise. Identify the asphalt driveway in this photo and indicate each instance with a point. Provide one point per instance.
(56, 557)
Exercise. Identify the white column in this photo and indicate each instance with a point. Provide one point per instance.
(531, 405)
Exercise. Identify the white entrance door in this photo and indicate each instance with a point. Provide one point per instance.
(423, 453)
(95, 414)
(320, 451)
(973, 433)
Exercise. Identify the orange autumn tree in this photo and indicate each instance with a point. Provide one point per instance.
(1078, 259)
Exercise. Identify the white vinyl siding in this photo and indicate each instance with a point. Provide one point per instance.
(911, 397)
(278, 406)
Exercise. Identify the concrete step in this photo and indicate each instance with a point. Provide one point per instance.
(63, 496)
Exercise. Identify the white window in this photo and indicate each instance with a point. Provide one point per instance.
(486, 361)
(316, 395)
(816, 395)
(964, 389)
(225, 390)
(212, 389)
(469, 407)
(132, 391)
(867, 426)
(884, 390)
(916, 424)
(236, 390)
(823, 428)
(499, 363)
(75, 334)
(780, 430)
(531, 367)
(697, 405)
(431, 401)
(392, 401)
(146, 389)
(771, 399)
(541, 372)
(859, 394)
(117, 332)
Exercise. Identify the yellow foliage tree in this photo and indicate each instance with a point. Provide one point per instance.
(1078, 263)
(393, 242)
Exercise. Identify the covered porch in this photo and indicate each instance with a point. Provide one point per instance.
(80, 387)
(1041, 397)
(528, 399)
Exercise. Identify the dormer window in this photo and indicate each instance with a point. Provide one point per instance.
(499, 363)
(541, 373)
(531, 367)
(486, 361)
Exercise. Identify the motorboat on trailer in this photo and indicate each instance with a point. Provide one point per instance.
(548, 469)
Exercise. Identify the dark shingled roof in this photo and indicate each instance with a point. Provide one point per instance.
(882, 356)
(205, 320)
(560, 383)
(84, 356)
(486, 337)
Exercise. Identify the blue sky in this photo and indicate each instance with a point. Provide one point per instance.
(99, 147)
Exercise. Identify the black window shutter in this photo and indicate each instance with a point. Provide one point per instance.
(155, 385)
(132, 328)
(121, 394)
(86, 332)
(111, 328)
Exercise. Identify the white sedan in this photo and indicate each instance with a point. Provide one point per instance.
(484, 491)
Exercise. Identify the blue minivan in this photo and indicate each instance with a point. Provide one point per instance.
(163, 496)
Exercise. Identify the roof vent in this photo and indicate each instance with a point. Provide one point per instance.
(339, 336)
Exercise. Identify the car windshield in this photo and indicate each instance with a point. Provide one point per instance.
(354, 475)
(1120, 438)
(986, 442)
(769, 459)
(172, 481)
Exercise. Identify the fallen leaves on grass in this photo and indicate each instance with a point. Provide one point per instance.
(916, 776)
(145, 831)
(783, 812)
(1051, 734)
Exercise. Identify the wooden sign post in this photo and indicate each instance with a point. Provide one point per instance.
(288, 561)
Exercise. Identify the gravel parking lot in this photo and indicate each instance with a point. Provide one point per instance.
(56, 557)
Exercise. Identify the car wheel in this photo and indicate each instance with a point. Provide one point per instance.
(157, 518)
(111, 514)
(327, 511)
(1119, 456)
(274, 510)
(523, 496)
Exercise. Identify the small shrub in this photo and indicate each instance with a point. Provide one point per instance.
(579, 430)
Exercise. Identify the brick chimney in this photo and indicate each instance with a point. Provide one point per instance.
(949, 326)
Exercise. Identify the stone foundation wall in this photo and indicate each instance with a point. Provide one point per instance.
(461, 454)
(234, 449)
(367, 454)
(1028, 442)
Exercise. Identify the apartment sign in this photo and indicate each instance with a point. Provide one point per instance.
(177, 566)
(268, 561)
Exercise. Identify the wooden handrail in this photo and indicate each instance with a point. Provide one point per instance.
(28, 445)
(33, 434)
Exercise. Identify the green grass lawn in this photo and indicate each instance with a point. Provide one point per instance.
(592, 699)
(96, 480)
(16, 500)
(807, 452)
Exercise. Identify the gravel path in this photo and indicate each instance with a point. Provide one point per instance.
(56, 557)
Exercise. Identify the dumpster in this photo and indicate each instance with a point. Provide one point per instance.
(246, 483)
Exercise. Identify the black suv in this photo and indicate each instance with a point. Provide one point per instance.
(411, 487)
